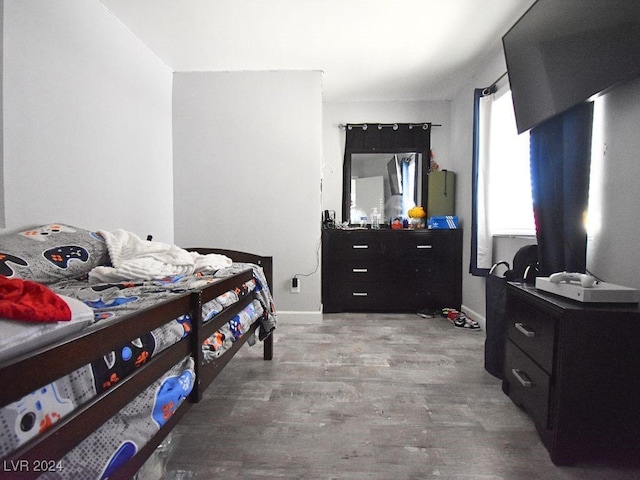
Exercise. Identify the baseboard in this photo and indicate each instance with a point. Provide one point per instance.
(315, 318)
(309, 318)
(481, 319)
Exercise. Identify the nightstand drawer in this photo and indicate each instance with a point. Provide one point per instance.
(528, 384)
(533, 331)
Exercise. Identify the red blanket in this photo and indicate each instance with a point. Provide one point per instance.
(31, 302)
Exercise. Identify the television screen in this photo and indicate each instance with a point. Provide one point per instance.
(563, 52)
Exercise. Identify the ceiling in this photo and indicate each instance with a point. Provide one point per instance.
(367, 50)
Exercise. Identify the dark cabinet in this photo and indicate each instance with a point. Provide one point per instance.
(391, 270)
(575, 368)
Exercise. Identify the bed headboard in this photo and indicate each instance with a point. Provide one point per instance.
(265, 262)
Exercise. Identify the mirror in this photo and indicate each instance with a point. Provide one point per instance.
(389, 182)
(385, 167)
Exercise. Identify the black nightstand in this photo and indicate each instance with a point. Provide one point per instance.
(575, 368)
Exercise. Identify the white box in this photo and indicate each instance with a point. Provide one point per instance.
(601, 292)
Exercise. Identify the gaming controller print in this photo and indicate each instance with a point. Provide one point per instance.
(5, 268)
(58, 256)
(61, 256)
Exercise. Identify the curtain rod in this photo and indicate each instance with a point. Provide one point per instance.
(380, 126)
(499, 78)
(489, 89)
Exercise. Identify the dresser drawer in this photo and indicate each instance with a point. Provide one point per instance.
(354, 244)
(424, 245)
(351, 269)
(528, 384)
(532, 330)
(361, 296)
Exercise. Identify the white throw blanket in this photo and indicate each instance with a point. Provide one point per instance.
(135, 259)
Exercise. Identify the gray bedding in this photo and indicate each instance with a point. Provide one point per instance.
(123, 435)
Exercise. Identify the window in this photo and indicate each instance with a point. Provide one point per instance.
(510, 208)
(502, 201)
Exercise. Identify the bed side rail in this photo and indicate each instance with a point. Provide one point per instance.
(54, 361)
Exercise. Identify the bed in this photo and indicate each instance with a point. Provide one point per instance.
(93, 394)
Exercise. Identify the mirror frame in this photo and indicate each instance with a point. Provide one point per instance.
(346, 175)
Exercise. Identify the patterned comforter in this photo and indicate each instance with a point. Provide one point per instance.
(119, 439)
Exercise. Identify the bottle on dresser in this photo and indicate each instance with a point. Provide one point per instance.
(375, 219)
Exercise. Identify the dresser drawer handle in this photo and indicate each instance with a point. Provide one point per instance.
(522, 329)
(361, 246)
(522, 378)
(423, 247)
(359, 270)
(359, 294)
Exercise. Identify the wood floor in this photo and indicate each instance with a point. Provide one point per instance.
(361, 397)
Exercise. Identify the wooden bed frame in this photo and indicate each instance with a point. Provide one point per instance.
(25, 374)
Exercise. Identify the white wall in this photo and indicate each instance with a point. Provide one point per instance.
(612, 252)
(247, 156)
(87, 121)
(336, 113)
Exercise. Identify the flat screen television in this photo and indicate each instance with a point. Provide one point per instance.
(563, 52)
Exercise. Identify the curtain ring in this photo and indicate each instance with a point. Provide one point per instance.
(379, 126)
(425, 126)
(410, 127)
(395, 126)
(364, 126)
(349, 127)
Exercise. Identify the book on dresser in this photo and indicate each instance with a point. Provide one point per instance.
(391, 270)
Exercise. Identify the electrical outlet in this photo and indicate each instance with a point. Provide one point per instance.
(295, 285)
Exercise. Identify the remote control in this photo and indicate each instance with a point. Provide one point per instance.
(585, 280)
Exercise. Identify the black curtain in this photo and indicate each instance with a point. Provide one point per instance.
(560, 169)
(371, 138)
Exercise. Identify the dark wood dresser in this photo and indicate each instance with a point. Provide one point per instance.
(575, 368)
(391, 270)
